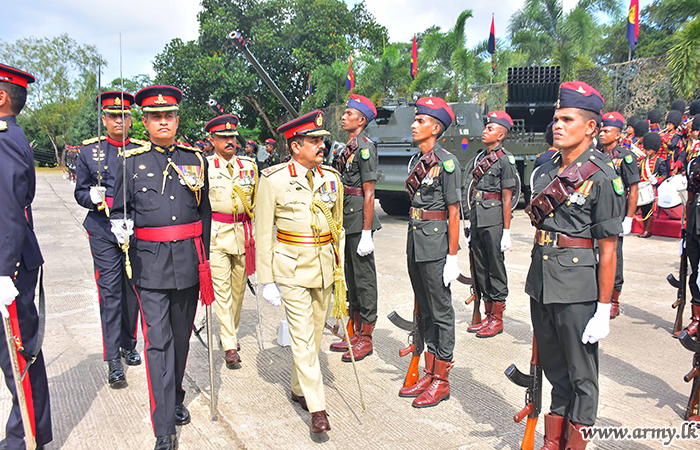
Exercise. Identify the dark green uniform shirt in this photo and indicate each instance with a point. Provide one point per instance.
(693, 213)
(427, 239)
(501, 175)
(627, 169)
(361, 167)
(568, 275)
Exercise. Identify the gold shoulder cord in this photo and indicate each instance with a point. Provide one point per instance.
(248, 205)
(196, 188)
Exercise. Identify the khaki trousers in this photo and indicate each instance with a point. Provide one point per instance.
(306, 309)
(229, 279)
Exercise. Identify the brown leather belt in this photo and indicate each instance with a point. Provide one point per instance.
(490, 195)
(427, 214)
(352, 190)
(559, 240)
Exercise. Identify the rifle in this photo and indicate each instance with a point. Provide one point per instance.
(416, 344)
(681, 286)
(473, 287)
(533, 395)
(693, 409)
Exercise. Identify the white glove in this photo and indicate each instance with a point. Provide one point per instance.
(451, 270)
(271, 293)
(8, 292)
(626, 226)
(469, 237)
(97, 194)
(681, 246)
(505, 240)
(599, 325)
(654, 180)
(366, 245)
(122, 229)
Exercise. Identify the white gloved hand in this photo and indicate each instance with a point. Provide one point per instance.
(122, 229)
(97, 194)
(599, 325)
(653, 180)
(366, 245)
(681, 246)
(271, 293)
(505, 240)
(626, 226)
(8, 293)
(469, 236)
(451, 270)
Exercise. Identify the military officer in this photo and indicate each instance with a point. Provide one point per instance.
(494, 178)
(208, 147)
(20, 260)
(357, 164)
(94, 190)
(431, 248)
(167, 197)
(299, 251)
(569, 291)
(272, 157)
(692, 234)
(627, 169)
(232, 184)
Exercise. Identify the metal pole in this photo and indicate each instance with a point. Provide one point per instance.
(21, 398)
(257, 299)
(210, 349)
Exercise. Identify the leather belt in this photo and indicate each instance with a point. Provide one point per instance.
(560, 240)
(303, 240)
(490, 195)
(427, 214)
(229, 218)
(352, 190)
(169, 234)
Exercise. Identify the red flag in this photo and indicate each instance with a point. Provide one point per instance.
(414, 59)
(492, 37)
(350, 79)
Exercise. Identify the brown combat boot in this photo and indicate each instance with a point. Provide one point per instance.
(363, 346)
(574, 438)
(439, 389)
(342, 346)
(692, 327)
(422, 384)
(554, 430)
(615, 304)
(478, 326)
(495, 325)
(647, 227)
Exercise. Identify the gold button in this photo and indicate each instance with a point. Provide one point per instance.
(551, 214)
(568, 203)
(17, 265)
(489, 172)
(545, 257)
(16, 272)
(592, 157)
(414, 228)
(144, 189)
(174, 218)
(418, 194)
(435, 229)
(352, 210)
(575, 260)
(493, 204)
(478, 203)
(578, 164)
(170, 177)
(172, 197)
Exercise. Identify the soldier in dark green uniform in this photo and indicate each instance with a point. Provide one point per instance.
(493, 178)
(627, 168)
(692, 235)
(578, 199)
(357, 164)
(431, 247)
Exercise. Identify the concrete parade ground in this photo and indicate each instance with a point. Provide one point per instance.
(641, 366)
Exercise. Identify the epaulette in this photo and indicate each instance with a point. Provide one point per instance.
(138, 150)
(94, 140)
(138, 141)
(246, 158)
(273, 169)
(192, 149)
(3, 125)
(330, 169)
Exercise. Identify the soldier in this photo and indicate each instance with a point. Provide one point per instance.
(654, 119)
(569, 300)
(357, 164)
(272, 157)
(232, 185)
(208, 147)
(303, 201)
(494, 178)
(433, 240)
(20, 260)
(627, 169)
(653, 169)
(167, 197)
(692, 235)
(94, 190)
(628, 138)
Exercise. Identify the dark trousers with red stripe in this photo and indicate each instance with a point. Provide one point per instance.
(119, 307)
(40, 406)
(167, 319)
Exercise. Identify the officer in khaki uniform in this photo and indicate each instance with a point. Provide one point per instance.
(232, 184)
(300, 243)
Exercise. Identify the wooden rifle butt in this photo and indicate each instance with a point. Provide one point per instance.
(529, 436)
(412, 375)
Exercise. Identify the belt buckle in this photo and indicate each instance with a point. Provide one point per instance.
(546, 238)
(417, 213)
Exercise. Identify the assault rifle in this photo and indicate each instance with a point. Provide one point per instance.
(692, 411)
(681, 285)
(416, 344)
(533, 395)
(473, 287)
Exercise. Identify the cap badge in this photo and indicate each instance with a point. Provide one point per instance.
(117, 101)
(319, 120)
(611, 116)
(493, 114)
(429, 102)
(357, 100)
(581, 90)
(228, 125)
(160, 100)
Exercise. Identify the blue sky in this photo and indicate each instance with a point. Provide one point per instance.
(147, 25)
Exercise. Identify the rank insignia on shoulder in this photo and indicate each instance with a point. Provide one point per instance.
(511, 159)
(618, 186)
(3, 125)
(365, 153)
(628, 159)
(449, 166)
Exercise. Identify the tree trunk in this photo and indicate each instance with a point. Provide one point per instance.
(55, 151)
(254, 103)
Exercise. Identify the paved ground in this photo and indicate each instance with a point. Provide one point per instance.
(642, 367)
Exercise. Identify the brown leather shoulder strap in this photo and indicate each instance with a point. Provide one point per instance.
(415, 178)
(485, 164)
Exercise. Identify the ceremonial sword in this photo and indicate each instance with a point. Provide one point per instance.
(103, 206)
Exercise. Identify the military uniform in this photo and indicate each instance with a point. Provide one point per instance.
(20, 259)
(167, 195)
(692, 235)
(651, 168)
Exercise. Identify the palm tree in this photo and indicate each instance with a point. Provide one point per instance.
(684, 58)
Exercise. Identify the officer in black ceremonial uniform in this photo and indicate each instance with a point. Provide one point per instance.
(494, 178)
(627, 168)
(167, 196)
(357, 164)
(578, 199)
(431, 248)
(94, 190)
(20, 260)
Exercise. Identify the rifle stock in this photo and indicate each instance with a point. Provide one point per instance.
(689, 343)
(679, 304)
(412, 375)
(416, 342)
(529, 436)
(476, 292)
(533, 395)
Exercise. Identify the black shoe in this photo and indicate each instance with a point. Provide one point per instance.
(116, 377)
(182, 416)
(166, 442)
(3, 444)
(131, 356)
